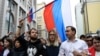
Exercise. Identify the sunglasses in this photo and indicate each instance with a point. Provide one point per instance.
(88, 40)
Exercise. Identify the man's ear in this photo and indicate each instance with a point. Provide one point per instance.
(73, 32)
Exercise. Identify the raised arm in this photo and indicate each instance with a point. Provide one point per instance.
(18, 32)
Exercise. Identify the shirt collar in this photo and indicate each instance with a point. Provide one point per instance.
(75, 40)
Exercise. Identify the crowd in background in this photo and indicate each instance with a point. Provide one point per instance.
(93, 43)
(28, 44)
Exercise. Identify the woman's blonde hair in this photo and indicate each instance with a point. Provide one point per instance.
(56, 42)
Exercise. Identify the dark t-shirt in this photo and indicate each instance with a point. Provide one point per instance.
(36, 48)
(52, 50)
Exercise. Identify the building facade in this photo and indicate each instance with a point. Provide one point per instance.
(11, 11)
(79, 20)
(91, 15)
(40, 21)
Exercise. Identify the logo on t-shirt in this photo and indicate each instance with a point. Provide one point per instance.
(32, 51)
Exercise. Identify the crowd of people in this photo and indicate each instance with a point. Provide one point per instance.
(28, 44)
(93, 43)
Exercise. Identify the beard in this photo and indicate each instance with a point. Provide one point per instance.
(33, 38)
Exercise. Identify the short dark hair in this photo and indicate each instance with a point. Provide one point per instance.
(32, 29)
(10, 42)
(96, 38)
(89, 36)
(72, 28)
(82, 36)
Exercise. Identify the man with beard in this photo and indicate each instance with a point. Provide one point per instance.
(34, 45)
(73, 46)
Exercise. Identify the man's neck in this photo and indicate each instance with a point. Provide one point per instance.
(52, 41)
(34, 40)
(72, 39)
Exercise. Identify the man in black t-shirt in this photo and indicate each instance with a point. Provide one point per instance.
(35, 46)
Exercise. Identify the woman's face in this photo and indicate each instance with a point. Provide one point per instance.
(6, 43)
(52, 36)
(17, 44)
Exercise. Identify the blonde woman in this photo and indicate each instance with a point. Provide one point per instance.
(52, 44)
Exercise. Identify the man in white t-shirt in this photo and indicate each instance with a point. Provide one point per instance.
(73, 46)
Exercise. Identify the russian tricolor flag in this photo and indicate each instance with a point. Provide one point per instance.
(30, 15)
(55, 14)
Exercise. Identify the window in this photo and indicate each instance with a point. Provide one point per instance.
(12, 6)
(22, 13)
(29, 5)
(24, 2)
(9, 22)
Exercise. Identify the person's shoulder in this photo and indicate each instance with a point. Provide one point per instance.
(91, 48)
(80, 40)
(39, 41)
(64, 43)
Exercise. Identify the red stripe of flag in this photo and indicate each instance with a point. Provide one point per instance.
(48, 17)
(30, 16)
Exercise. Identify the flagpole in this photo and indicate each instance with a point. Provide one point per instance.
(38, 9)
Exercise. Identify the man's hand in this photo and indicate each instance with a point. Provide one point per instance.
(83, 53)
(76, 53)
(21, 21)
(9, 33)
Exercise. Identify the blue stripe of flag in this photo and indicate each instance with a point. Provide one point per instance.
(59, 20)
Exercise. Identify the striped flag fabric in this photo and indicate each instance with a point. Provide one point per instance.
(61, 14)
(59, 25)
(30, 15)
(48, 17)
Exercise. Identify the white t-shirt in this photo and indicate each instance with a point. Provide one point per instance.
(6, 52)
(67, 47)
(97, 53)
